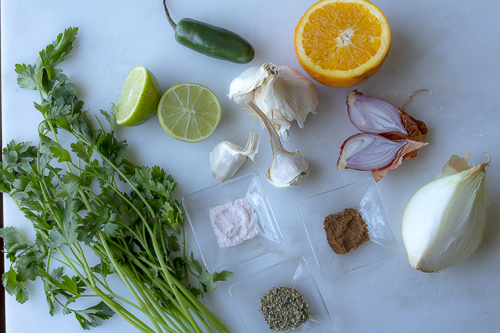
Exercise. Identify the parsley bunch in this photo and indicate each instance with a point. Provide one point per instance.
(73, 196)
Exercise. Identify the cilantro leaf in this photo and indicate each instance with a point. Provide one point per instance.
(11, 237)
(210, 279)
(195, 264)
(90, 317)
(26, 76)
(61, 153)
(59, 49)
(68, 186)
(13, 286)
(71, 284)
(82, 151)
(102, 269)
(56, 239)
(110, 229)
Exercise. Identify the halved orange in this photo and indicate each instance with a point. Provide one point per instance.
(341, 43)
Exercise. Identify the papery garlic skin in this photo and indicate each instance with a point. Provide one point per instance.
(444, 222)
(226, 158)
(282, 93)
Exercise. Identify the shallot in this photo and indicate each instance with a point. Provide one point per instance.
(389, 136)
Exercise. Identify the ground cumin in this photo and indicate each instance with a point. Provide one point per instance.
(345, 230)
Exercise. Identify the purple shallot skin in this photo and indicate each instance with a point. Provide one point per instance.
(372, 115)
(389, 136)
(368, 152)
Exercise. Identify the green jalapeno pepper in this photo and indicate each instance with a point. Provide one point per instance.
(210, 40)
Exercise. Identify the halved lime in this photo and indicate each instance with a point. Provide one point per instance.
(189, 112)
(139, 98)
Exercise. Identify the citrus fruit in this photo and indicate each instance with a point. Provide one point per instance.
(341, 43)
(189, 112)
(139, 98)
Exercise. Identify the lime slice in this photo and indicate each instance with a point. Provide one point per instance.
(139, 98)
(189, 112)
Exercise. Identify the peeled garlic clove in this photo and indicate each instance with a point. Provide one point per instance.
(372, 115)
(371, 152)
(226, 158)
(287, 169)
(444, 221)
(280, 92)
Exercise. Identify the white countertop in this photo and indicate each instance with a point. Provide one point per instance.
(448, 47)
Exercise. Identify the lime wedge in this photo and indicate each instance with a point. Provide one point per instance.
(189, 112)
(139, 98)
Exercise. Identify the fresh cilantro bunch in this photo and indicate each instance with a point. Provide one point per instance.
(71, 194)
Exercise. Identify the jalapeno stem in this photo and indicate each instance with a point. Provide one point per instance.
(172, 23)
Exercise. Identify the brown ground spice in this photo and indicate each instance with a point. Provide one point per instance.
(345, 230)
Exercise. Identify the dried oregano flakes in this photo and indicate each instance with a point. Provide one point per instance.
(284, 308)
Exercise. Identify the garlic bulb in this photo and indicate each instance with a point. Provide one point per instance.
(444, 221)
(280, 92)
(287, 169)
(226, 158)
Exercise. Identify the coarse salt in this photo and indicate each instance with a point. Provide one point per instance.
(233, 222)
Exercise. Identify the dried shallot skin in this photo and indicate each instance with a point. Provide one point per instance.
(380, 123)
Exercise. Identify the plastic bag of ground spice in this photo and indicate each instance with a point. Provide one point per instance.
(345, 231)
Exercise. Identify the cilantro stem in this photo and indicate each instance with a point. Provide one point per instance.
(117, 308)
(125, 280)
(167, 293)
(167, 276)
(118, 171)
(146, 295)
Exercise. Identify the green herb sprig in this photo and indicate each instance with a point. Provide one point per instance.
(71, 194)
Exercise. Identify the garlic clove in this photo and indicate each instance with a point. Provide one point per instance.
(371, 152)
(372, 115)
(282, 93)
(444, 222)
(291, 94)
(287, 169)
(227, 158)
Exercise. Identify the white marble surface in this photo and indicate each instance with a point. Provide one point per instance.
(448, 47)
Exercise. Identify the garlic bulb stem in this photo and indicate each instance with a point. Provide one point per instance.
(273, 136)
